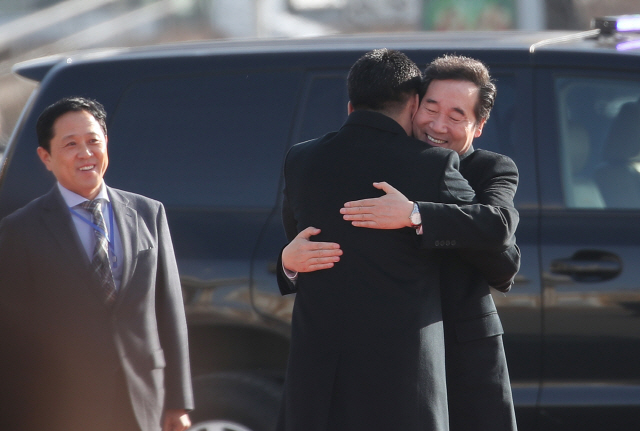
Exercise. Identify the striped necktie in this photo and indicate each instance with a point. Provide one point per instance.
(100, 261)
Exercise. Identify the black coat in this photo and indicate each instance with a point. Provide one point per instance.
(367, 342)
(479, 392)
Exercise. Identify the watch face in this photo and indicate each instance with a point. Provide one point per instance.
(416, 219)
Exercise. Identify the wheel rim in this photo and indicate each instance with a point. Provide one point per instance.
(218, 425)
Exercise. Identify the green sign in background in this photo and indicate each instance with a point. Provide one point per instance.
(469, 15)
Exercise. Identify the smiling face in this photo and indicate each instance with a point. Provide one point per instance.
(446, 116)
(78, 153)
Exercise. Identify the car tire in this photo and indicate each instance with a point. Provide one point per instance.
(235, 402)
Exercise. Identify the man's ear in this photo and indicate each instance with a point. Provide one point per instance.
(45, 156)
(479, 128)
(416, 105)
(349, 108)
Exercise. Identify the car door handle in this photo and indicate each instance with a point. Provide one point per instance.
(589, 266)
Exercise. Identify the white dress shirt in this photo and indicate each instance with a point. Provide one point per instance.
(86, 231)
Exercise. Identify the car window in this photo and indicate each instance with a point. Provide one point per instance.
(599, 136)
(324, 105)
(500, 130)
(202, 141)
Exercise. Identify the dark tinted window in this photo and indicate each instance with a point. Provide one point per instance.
(599, 135)
(199, 141)
(324, 105)
(500, 130)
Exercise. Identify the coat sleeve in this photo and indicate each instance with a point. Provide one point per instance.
(489, 223)
(285, 284)
(290, 224)
(172, 324)
(288, 219)
(498, 268)
(498, 188)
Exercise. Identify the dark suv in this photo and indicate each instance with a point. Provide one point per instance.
(204, 128)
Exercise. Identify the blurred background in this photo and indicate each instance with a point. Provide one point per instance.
(35, 28)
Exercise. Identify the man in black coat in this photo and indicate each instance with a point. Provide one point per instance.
(367, 344)
(457, 98)
(455, 88)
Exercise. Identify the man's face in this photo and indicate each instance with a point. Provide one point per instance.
(78, 154)
(446, 116)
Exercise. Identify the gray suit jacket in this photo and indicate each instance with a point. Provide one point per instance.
(80, 354)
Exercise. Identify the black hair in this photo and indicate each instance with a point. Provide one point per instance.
(460, 68)
(44, 126)
(382, 80)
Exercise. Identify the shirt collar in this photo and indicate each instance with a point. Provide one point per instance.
(73, 199)
(468, 153)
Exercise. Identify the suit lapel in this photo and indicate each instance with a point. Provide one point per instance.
(127, 220)
(56, 217)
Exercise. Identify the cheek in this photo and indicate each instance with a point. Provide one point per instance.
(469, 133)
(104, 159)
(421, 117)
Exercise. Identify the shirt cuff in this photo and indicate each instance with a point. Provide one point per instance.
(291, 275)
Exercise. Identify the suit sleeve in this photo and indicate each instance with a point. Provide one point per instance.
(172, 325)
(14, 274)
(21, 354)
(478, 225)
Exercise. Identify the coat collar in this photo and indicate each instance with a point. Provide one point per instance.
(468, 153)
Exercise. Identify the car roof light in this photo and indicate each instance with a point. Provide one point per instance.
(626, 46)
(620, 23)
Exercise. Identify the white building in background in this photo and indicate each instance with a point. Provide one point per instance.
(300, 18)
(290, 18)
(531, 15)
(295, 18)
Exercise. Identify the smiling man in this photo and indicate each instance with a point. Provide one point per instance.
(446, 116)
(77, 153)
(457, 100)
(91, 294)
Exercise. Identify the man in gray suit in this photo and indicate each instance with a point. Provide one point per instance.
(90, 294)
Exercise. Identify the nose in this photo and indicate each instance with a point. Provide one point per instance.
(84, 151)
(438, 124)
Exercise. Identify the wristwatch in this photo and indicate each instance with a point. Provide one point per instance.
(415, 218)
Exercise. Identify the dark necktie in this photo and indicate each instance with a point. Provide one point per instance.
(100, 261)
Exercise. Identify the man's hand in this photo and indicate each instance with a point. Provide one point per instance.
(176, 420)
(390, 211)
(303, 255)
